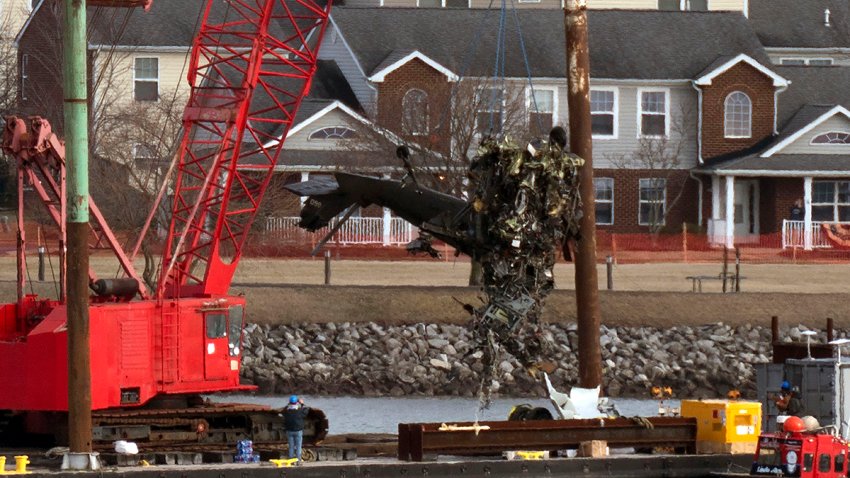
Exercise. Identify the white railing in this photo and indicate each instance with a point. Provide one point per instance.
(357, 230)
(794, 234)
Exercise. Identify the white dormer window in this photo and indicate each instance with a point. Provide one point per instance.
(738, 115)
(833, 137)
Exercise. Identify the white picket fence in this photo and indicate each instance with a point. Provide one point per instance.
(357, 230)
(794, 235)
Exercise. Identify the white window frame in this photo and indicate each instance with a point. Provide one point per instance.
(616, 132)
(834, 203)
(529, 104)
(685, 5)
(158, 76)
(611, 201)
(812, 141)
(640, 93)
(830, 61)
(323, 128)
(642, 181)
(726, 116)
(806, 61)
(442, 4)
(25, 62)
(528, 1)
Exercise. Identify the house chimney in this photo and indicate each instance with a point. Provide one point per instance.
(826, 18)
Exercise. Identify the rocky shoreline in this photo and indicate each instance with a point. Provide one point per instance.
(368, 359)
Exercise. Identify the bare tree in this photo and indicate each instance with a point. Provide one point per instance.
(663, 156)
(8, 97)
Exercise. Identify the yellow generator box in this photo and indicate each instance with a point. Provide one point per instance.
(721, 422)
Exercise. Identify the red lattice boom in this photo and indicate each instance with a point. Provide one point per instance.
(252, 62)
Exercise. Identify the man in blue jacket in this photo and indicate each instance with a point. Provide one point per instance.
(293, 420)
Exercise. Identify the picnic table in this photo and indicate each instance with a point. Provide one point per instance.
(696, 281)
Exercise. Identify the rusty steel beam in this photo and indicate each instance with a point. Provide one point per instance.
(587, 286)
(417, 440)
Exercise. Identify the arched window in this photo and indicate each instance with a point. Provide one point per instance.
(414, 119)
(334, 132)
(833, 137)
(738, 116)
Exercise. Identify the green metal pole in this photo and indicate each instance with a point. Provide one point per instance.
(77, 149)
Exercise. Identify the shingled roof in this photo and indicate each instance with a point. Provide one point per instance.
(800, 24)
(814, 91)
(624, 44)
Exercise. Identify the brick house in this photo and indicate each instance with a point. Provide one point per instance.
(643, 93)
(804, 159)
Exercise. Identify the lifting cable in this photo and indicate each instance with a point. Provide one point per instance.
(499, 70)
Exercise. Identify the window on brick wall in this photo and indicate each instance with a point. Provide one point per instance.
(653, 113)
(738, 115)
(831, 201)
(653, 201)
(603, 189)
(603, 112)
(541, 111)
(414, 119)
(146, 79)
(488, 115)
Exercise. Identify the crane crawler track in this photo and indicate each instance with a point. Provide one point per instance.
(212, 425)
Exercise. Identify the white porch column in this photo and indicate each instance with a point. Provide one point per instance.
(305, 176)
(730, 211)
(715, 197)
(807, 218)
(387, 221)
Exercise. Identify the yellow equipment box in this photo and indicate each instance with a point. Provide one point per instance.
(725, 425)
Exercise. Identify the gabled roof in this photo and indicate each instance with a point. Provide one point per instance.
(169, 23)
(800, 23)
(812, 85)
(814, 95)
(397, 59)
(624, 44)
(802, 128)
(724, 63)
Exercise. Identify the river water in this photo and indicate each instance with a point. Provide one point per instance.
(383, 414)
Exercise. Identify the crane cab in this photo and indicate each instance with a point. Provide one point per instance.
(800, 453)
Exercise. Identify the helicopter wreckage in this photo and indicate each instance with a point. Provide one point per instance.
(522, 210)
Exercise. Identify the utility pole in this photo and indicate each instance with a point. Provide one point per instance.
(587, 287)
(77, 150)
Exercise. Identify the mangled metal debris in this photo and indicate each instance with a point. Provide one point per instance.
(522, 209)
(526, 203)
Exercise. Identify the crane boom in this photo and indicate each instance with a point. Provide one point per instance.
(251, 66)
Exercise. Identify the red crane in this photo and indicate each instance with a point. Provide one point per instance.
(251, 65)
